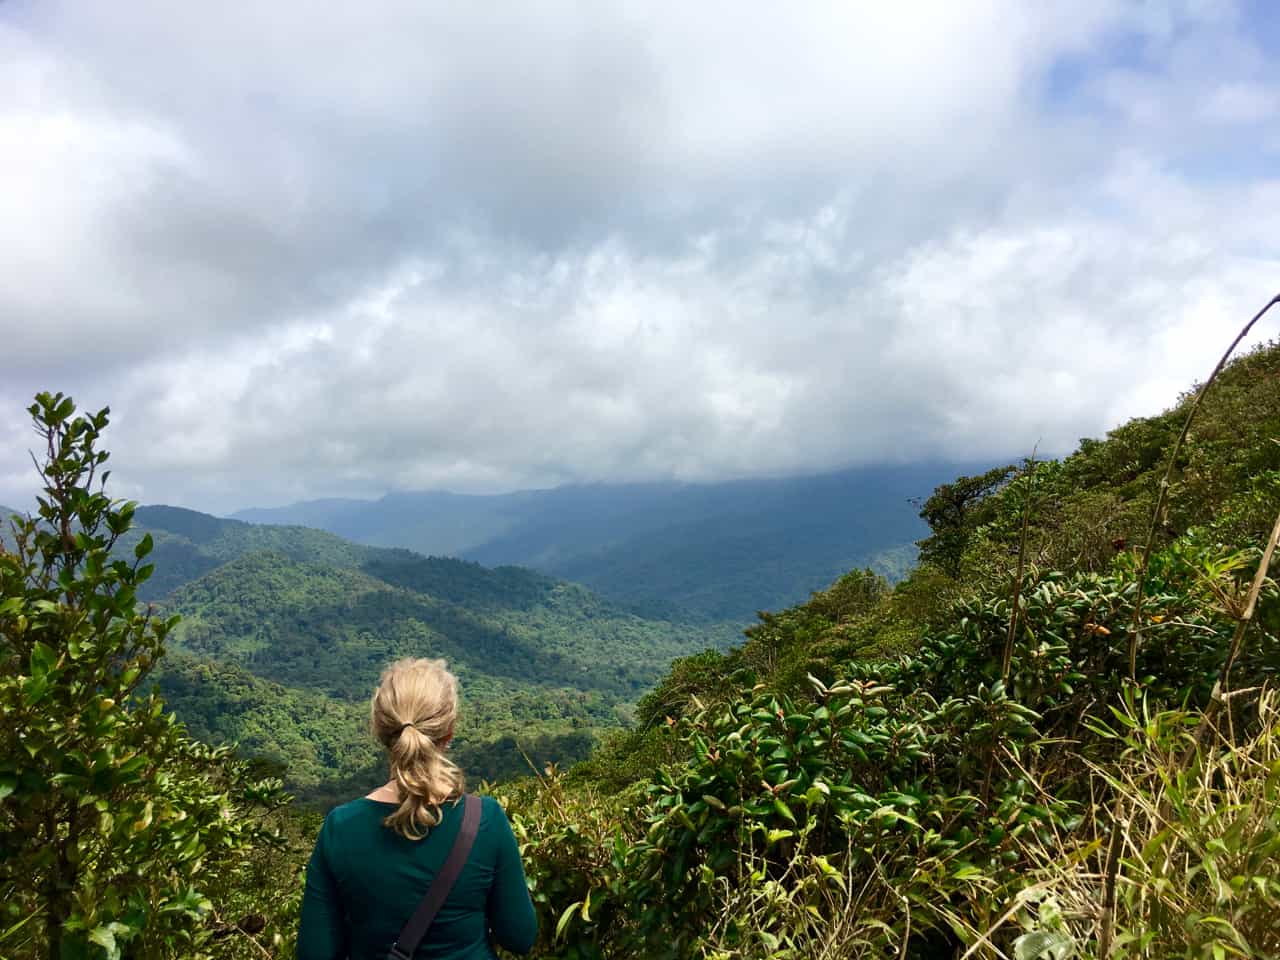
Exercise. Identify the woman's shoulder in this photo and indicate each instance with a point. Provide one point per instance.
(491, 809)
(363, 809)
(359, 809)
(494, 821)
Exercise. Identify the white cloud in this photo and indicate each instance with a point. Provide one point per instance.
(308, 250)
(1241, 103)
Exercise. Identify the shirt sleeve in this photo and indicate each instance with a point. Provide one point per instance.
(322, 933)
(509, 909)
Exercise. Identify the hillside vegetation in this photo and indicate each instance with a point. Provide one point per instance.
(965, 763)
(284, 630)
(706, 552)
(1047, 742)
(287, 651)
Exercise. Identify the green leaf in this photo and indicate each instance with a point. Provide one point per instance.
(783, 810)
(1043, 945)
(42, 659)
(105, 937)
(35, 690)
(144, 546)
(565, 917)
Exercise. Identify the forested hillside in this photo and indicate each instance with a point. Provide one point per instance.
(272, 638)
(189, 544)
(1043, 743)
(705, 551)
(284, 631)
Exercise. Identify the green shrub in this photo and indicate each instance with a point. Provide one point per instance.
(116, 829)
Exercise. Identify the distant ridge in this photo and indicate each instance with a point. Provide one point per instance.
(704, 551)
(5, 530)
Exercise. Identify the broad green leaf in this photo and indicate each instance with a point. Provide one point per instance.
(42, 659)
(105, 937)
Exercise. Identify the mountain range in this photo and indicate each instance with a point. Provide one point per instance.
(285, 630)
(558, 609)
(706, 552)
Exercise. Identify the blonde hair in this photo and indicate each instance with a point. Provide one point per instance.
(412, 715)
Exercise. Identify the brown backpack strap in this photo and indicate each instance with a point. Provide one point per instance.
(418, 924)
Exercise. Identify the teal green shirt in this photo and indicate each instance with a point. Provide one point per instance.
(365, 881)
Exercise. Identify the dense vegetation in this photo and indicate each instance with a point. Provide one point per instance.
(1003, 755)
(284, 630)
(1047, 741)
(709, 552)
(119, 834)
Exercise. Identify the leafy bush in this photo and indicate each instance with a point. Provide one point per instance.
(1198, 831)
(115, 827)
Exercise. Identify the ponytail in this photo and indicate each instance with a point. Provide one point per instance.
(412, 715)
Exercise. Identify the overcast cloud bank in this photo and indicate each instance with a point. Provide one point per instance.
(304, 250)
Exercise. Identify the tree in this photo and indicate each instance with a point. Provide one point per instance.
(953, 513)
(114, 824)
(855, 594)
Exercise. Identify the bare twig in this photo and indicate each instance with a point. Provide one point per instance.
(1237, 641)
(1016, 599)
(1135, 633)
(1107, 916)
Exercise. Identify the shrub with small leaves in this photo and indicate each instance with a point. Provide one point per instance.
(114, 825)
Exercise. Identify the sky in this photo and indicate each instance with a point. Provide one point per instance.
(306, 249)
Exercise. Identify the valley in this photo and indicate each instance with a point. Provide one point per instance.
(698, 552)
(284, 631)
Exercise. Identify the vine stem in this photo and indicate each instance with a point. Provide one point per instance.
(1237, 642)
(1106, 919)
(1135, 632)
(1016, 600)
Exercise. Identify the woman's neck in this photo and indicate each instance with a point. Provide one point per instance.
(389, 792)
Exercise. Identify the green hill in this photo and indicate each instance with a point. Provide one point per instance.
(285, 630)
(690, 551)
(189, 544)
(331, 628)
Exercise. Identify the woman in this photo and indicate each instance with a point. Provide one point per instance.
(376, 856)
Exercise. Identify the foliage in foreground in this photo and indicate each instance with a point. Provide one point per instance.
(1197, 832)
(964, 765)
(119, 835)
(906, 806)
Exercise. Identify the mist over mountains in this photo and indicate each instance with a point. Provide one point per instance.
(703, 551)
